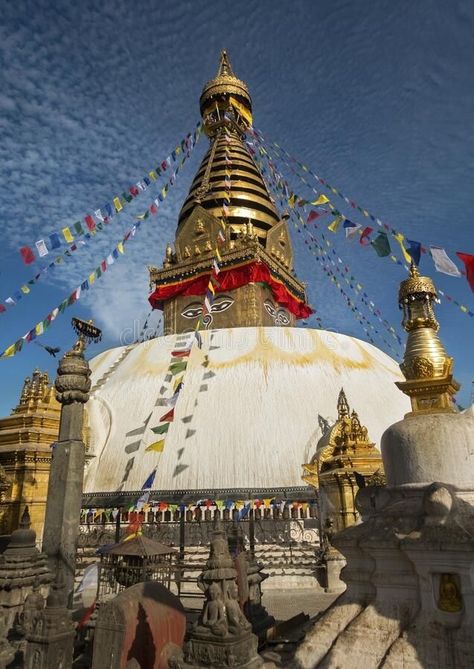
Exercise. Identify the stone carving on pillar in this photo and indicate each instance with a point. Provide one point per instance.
(222, 636)
(22, 568)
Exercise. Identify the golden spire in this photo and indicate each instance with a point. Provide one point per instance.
(342, 405)
(426, 366)
(228, 173)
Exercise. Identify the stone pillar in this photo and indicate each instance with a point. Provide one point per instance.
(67, 469)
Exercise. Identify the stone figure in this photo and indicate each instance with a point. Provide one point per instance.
(450, 599)
(214, 614)
(235, 618)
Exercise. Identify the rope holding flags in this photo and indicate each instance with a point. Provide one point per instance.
(280, 184)
(110, 209)
(119, 250)
(409, 248)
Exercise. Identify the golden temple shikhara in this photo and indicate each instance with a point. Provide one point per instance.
(229, 217)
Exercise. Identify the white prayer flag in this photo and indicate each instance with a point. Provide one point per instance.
(10, 300)
(351, 231)
(110, 260)
(443, 262)
(41, 247)
(99, 215)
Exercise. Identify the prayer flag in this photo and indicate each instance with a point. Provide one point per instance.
(351, 229)
(207, 304)
(55, 240)
(67, 235)
(110, 259)
(161, 429)
(181, 354)
(322, 199)
(149, 482)
(25, 289)
(443, 262)
(381, 245)
(39, 328)
(41, 248)
(9, 352)
(117, 204)
(414, 251)
(312, 216)
(78, 228)
(220, 236)
(364, 238)
(468, 261)
(178, 385)
(99, 215)
(169, 416)
(198, 339)
(152, 175)
(2, 309)
(211, 288)
(399, 237)
(115, 254)
(334, 225)
(216, 267)
(226, 210)
(90, 222)
(177, 367)
(27, 255)
(120, 247)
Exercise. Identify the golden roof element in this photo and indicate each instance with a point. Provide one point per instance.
(426, 366)
(224, 83)
(36, 393)
(345, 460)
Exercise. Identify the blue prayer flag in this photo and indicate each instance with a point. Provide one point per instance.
(55, 240)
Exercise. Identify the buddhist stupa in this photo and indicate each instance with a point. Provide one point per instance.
(257, 389)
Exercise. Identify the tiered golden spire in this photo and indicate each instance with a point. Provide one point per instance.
(426, 366)
(226, 109)
(228, 214)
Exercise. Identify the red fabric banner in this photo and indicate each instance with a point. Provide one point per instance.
(90, 222)
(468, 261)
(27, 255)
(252, 272)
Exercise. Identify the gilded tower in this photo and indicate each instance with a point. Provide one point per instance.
(426, 366)
(345, 460)
(228, 221)
(26, 437)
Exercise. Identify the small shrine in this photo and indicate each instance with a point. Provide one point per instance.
(134, 560)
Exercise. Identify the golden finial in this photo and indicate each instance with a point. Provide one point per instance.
(426, 366)
(223, 95)
(342, 405)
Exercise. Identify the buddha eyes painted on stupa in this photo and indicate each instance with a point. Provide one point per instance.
(279, 315)
(220, 304)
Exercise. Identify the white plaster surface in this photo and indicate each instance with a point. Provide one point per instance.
(248, 419)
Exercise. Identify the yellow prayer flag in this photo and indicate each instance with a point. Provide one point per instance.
(8, 352)
(334, 190)
(117, 204)
(25, 289)
(243, 111)
(142, 217)
(163, 193)
(178, 382)
(120, 247)
(292, 200)
(157, 446)
(91, 278)
(322, 199)
(211, 288)
(399, 237)
(218, 255)
(305, 168)
(67, 235)
(39, 328)
(366, 213)
(266, 502)
(463, 308)
(335, 224)
(152, 175)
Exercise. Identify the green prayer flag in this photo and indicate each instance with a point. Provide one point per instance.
(381, 244)
(177, 367)
(78, 228)
(161, 429)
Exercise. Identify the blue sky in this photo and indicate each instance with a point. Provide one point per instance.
(375, 97)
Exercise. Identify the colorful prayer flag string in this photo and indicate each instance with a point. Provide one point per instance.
(380, 244)
(108, 210)
(13, 299)
(117, 252)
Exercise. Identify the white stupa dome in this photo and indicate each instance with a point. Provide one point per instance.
(246, 419)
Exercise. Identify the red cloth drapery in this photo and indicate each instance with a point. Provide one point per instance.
(236, 277)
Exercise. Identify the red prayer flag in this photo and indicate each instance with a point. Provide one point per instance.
(153, 208)
(2, 309)
(87, 615)
(103, 265)
(168, 417)
(468, 261)
(90, 222)
(27, 255)
(181, 354)
(311, 216)
(364, 240)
